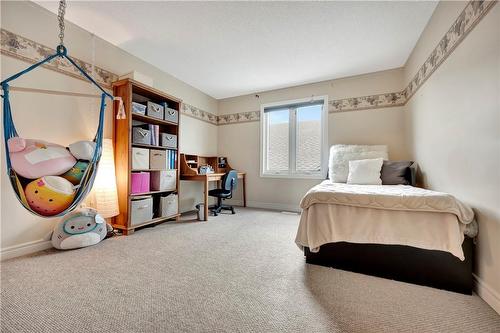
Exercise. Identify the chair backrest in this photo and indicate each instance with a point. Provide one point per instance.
(230, 180)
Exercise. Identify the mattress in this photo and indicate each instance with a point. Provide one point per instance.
(384, 214)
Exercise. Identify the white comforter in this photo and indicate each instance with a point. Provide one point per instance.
(383, 214)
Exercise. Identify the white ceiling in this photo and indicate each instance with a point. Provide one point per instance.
(228, 49)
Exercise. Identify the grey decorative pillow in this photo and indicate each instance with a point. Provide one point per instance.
(395, 172)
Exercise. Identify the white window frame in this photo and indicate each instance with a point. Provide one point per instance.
(292, 173)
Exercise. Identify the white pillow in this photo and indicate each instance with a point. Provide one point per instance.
(82, 150)
(340, 155)
(365, 172)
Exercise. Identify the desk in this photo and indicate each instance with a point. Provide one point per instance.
(213, 177)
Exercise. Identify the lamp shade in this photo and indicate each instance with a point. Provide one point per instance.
(105, 194)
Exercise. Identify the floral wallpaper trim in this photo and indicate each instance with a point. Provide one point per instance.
(194, 112)
(30, 51)
(472, 14)
(367, 102)
(240, 117)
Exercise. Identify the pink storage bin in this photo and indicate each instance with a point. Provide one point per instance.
(140, 182)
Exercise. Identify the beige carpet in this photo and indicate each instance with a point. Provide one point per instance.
(234, 273)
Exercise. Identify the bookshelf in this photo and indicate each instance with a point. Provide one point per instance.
(133, 91)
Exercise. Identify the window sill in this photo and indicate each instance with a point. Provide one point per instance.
(293, 176)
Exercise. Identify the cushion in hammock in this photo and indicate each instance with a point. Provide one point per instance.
(49, 195)
(81, 228)
(82, 150)
(36, 158)
(75, 174)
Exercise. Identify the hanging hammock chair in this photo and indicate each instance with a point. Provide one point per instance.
(10, 132)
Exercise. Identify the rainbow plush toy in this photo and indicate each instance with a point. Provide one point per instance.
(76, 173)
(49, 195)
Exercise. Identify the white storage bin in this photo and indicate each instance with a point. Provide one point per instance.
(158, 159)
(140, 158)
(168, 205)
(141, 210)
(163, 180)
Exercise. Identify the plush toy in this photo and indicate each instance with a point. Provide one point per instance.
(49, 195)
(35, 158)
(82, 150)
(84, 227)
(76, 173)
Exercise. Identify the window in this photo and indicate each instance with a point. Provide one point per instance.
(294, 138)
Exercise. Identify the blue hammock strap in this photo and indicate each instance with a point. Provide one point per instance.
(10, 131)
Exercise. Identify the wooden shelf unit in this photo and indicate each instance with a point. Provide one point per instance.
(133, 91)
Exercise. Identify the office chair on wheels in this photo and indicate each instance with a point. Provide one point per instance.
(228, 184)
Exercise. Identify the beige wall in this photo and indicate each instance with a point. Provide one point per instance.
(240, 142)
(34, 114)
(453, 127)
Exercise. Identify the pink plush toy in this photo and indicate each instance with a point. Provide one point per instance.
(35, 158)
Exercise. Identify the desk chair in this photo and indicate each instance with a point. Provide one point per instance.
(228, 183)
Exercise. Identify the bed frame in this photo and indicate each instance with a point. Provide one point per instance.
(431, 268)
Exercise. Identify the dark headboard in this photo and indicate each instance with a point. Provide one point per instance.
(411, 174)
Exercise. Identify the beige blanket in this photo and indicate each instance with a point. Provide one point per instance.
(394, 215)
(392, 197)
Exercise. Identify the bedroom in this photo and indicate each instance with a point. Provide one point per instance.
(397, 81)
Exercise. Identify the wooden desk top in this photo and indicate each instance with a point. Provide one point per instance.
(210, 176)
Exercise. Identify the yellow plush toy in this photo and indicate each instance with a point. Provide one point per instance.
(49, 195)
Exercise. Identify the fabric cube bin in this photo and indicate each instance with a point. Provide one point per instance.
(163, 180)
(141, 210)
(168, 140)
(140, 182)
(168, 205)
(141, 136)
(140, 158)
(158, 159)
(155, 110)
(171, 115)
(138, 108)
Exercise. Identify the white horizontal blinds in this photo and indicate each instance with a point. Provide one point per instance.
(308, 138)
(278, 141)
(293, 138)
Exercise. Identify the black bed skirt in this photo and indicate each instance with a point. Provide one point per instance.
(431, 268)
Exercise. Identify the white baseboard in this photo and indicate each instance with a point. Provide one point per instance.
(25, 248)
(487, 293)
(267, 205)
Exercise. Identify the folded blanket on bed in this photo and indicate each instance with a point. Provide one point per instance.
(388, 197)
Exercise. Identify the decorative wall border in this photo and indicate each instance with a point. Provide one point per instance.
(30, 51)
(197, 113)
(470, 16)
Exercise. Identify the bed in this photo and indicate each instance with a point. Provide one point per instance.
(399, 232)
